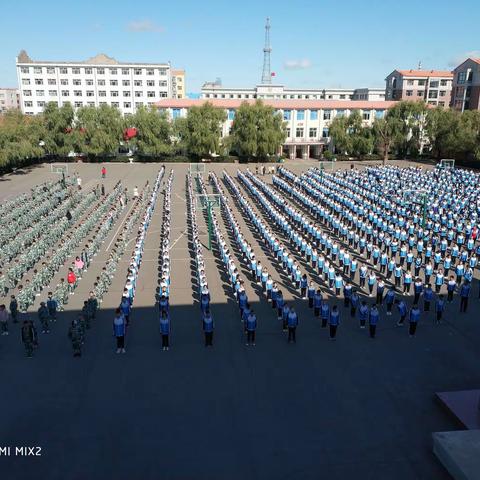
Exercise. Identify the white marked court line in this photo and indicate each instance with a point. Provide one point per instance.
(119, 227)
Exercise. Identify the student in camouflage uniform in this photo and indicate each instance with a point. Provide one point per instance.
(75, 335)
(92, 304)
(14, 309)
(44, 317)
(29, 337)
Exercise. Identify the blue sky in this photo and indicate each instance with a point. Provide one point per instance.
(323, 43)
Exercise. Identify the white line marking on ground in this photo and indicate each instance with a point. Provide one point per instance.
(119, 227)
(181, 198)
(174, 243)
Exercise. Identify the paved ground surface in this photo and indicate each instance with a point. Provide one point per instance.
(355, 408)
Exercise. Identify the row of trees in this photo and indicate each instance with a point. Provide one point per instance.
(258, 131)
(409, 129)
(99, 132)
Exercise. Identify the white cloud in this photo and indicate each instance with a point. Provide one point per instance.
(297, 64)
(144, 26)
(458, 59)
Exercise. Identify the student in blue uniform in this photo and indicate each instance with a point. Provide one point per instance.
(427, 298)
(373, 320)
(334, 321)
(414, 318)
(440, 307)
(402, 310)
(464, 293)
(292, 325)
(317, 303)
(165, 329)
(251, 328)
(208, 327)
(363, 314)
(325, 311)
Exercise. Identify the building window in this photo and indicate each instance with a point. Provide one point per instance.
(76, 71)
(28, 104)
(175, 113)
(52, 93)
(25, 69)
(163, 94)
(126, 83)
(113, 83)
(25, 81)
(443, 83)
(163, 83)
(50, 70)
(441, 104)
(299, 133)
(125, 71)
(409, 93)
(91, 104)
(287, 114)
(27, 93)
(40, 104)
(150, 83)
(89, 82)
(325, 132)
(65, 93)
(342, 97)
(115, 104)
(126, 93)
(434, 84)
(102, 103)
(64, 81)
(137, 83)
(300, 115)
(138, 93)
(88, 71)
(419, 93)
(313, 114)
(150, 71)
(114, 93)
(63, 70)
(340, 113)
(78, 104)
(127, 105)
(138, 104)
(102, 93)
(150, 94)
(77, 93)
(462, 77)
(40, 93)
(113, 71)
(231, 114)
(379, 113)
(366, 115)
(137, 71)
(77, 81)
(410, 82)
(90, 93)
(312, 133)
(101, 83)
(37, 70)
(432, 103)
(422, 83)
(327, 114)
(288, 133)
(433, 94)
(100, 71)
(38, 81)
(162, 71)
(442, 93)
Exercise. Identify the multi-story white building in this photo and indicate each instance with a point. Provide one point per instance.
(93, 82)
(279, 92)
(178, 84)
(9, 99)
(307, 121)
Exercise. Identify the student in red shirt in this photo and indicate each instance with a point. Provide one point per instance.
(72, 281)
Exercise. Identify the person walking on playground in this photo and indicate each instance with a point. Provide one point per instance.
(104, 172)
(164, 329)
(119, 330)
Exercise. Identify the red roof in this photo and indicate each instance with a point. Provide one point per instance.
(279, 104)
(426, 73)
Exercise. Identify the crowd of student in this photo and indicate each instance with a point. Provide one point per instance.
(122, 313)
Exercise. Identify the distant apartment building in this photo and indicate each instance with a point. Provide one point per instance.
(434, 87)
(466, 85)
(280, 92)
(307, 122)
(178, 84)
(9, 99)
(100, 80)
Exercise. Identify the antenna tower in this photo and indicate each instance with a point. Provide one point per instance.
(266, 73)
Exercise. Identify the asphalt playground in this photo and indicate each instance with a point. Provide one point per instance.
(355, 408)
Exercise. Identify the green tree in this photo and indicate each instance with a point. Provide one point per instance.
(99, 130)
(257, 131)
(203, 130)
(154, 132)
(386, 132)
(350, 136)
(58, 123)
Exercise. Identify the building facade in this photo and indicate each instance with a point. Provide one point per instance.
(307, 121)
(178, 84)
(434, 87)
(9, 99)
(466, 85)
(100, 80)
(214, 90)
